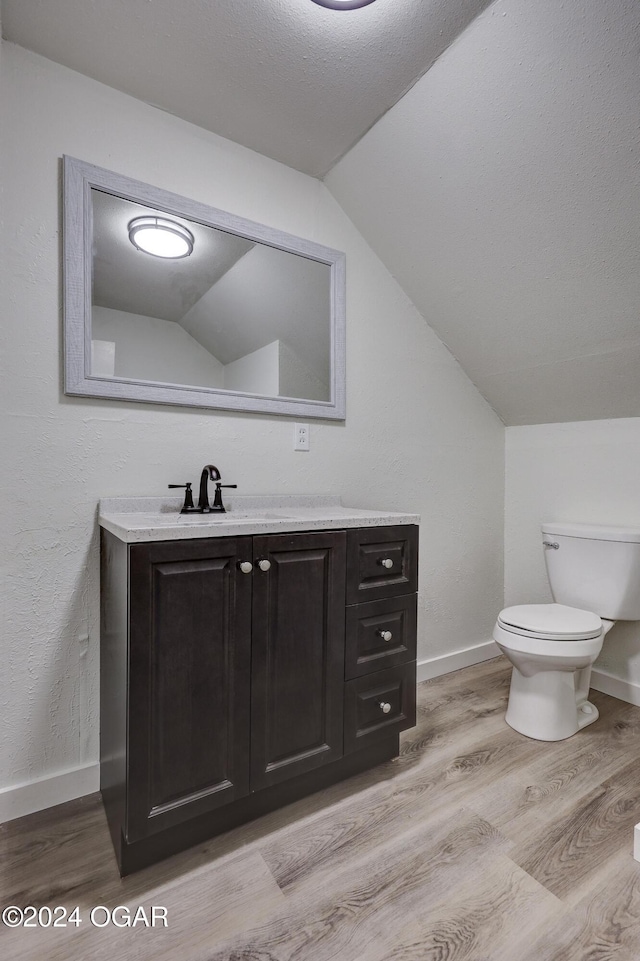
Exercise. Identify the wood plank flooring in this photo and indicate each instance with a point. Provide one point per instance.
(476, 844)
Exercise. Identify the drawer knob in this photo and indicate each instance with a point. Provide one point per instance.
(386, 562)
(246, 567)
(264, 564)
(385, 707)
(385, 635)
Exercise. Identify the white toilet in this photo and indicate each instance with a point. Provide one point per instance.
(594, 573)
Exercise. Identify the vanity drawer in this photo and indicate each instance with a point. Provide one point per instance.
(369, 647)
(378, 704)
(381, 562)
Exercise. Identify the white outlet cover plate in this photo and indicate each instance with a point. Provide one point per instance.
(301, 438)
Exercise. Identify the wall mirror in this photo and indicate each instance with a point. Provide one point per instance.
(170, 301)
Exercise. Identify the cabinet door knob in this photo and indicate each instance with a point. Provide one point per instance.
(386, 562)
(246, 567)
(385, 635)
(385, 707)
(264, 564)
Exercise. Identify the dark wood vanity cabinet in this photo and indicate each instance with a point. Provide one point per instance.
(235, 676)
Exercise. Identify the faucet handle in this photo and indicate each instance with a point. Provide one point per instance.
(187, 507)
(217, 499)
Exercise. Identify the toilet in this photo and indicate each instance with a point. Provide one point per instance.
(594, 573)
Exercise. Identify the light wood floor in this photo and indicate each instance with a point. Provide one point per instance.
(475, 844)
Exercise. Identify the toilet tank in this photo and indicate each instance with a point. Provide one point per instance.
(595, 568)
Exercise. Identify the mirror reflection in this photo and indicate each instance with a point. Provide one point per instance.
(231, 314)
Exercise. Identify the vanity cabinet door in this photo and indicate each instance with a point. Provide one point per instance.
(298, 654)
(189, 680)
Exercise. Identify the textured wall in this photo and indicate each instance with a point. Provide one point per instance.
(586, 471)
(418, 436)
(503, 193)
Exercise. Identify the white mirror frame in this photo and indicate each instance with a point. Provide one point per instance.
(79, 179)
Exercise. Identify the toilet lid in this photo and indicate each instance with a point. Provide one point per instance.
(551, 621)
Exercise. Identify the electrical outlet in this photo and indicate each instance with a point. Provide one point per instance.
(301, 439)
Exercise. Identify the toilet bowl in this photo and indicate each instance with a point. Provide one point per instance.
(552, 648)
(594, 574)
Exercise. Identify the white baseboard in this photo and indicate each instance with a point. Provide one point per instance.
(606, 683)
(602, 681)
(446, 663)
(46, 792)
(22, 799)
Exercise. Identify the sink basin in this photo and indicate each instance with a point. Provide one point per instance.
(231, 517)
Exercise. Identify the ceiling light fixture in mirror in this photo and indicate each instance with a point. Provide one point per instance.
(241, 317)
(160, 237)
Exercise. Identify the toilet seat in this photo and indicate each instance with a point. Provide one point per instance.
(550, 622)
(550, 631)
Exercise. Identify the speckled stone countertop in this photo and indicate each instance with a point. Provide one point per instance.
(136, 519)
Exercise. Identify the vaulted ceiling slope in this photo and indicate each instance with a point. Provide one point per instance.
(503, 192)
(288, 78)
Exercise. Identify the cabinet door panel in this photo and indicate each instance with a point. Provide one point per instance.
(189, 681)
(298, 654)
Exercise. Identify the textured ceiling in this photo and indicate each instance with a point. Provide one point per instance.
(503, 192)
(288, 78)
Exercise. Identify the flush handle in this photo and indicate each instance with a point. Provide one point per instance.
(552, 544)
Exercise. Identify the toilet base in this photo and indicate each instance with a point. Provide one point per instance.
(550, 705)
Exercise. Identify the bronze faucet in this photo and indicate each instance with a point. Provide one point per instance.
(210, 472)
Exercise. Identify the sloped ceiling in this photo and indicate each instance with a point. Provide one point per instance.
(503, 191)
(288, 78)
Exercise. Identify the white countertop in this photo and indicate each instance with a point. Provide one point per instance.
(136, 519)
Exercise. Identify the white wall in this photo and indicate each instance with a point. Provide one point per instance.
(255, 373)
(503, 193)
(148, 348)
(297, 379)
(583, 471)
(418, 436)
